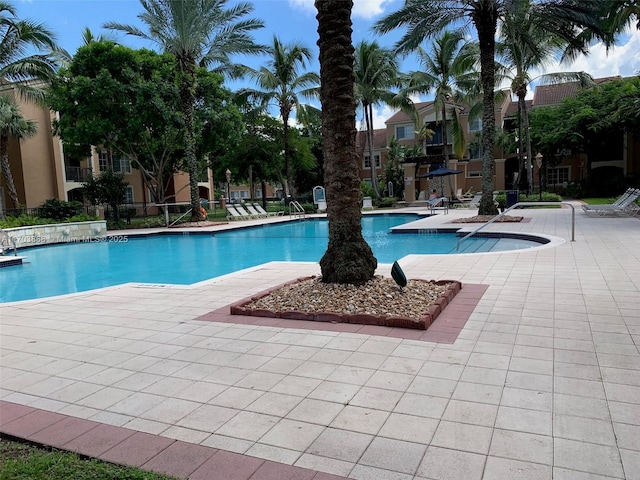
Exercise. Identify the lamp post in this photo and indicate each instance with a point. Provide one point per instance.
(539, 164)
(228, 174)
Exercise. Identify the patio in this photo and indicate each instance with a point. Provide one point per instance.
(542, 381)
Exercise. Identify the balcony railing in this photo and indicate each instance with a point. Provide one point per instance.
(77, 174)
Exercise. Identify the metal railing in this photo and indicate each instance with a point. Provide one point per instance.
(77, 174)
(524, 204)
(295, 209)
(7, 241)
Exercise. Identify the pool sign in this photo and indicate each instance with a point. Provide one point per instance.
(318, 195)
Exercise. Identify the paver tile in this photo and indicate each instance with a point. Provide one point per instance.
(358, 419)
(522, 446)
(503, 468)
(587, 457)
(460, 436)
(98, 440)
(227, 465)
(446, 464)
(248, 425)
(179, 459)
(276, 471)
(137, 449)
(340, 445)
(394, 455)
(292, 435)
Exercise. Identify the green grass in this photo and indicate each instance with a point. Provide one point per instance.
(598, 201)
(20, 461)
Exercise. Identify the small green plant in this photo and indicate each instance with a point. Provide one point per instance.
(59, 209)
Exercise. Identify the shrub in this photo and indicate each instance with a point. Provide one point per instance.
(59, 209)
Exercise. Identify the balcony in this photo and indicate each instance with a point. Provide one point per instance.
(77, 174)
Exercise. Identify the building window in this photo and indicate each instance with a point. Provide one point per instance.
(558, 175)
(103, 161)
(128, 194)
(404, 132)
(121, 163)
(475, 125)
(367, 161)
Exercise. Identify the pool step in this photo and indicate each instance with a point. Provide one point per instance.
(477, 244)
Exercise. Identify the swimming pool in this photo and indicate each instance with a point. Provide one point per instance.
(189, 258)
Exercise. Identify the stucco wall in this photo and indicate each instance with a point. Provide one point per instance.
(58, 233)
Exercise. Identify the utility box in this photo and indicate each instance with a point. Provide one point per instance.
(512, 197)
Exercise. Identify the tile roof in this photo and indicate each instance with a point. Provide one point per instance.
(554, 94)
(379, 139)
(403, 117)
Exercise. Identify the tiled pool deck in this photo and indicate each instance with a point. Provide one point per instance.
(542, 381)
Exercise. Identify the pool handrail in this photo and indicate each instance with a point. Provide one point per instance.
(524, 204)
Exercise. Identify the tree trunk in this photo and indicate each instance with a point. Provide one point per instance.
(368, 115)
(187, 86)
(348, 258)
(288, 185)
(6, 170)
(485, 21)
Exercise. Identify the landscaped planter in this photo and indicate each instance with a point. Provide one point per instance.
(76, 232)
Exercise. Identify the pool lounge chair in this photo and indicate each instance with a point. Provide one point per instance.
(233, 214)
(254, 212)
(625, 205)
(440, 203)
(262, 211)
(242, 211)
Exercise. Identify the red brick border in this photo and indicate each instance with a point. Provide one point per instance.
(143, 450)
(445, 329)
(422, 323)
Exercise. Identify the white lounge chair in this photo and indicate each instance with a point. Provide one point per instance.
(438, 203)
(262, 211)
(233, 214)
(625, 205)
(243, 212)
(255, 213)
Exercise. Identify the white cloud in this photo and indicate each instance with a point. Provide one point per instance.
(361, 8)
(623, 60)
(380, 115)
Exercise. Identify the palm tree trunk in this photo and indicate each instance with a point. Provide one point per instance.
(486, 25)
(368, 116)
(187, 86)
(348, 258)
(6, 170)
(287, 184)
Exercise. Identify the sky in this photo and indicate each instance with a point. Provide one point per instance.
(291, 21)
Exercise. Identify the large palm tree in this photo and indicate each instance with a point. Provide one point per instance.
(282, 82)
(427, 18)
(348, 258)
(12, 124)
(198, 33)
(377, 79)
(449, 72)
(524, 47)
(28, 51)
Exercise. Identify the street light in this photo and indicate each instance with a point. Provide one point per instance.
(539, 164)
(228, 174)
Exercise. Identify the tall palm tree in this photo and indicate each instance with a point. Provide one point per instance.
(426, 18)
(348, 258)
(525, 46)
(18, 64)
(281, 82)
(198, 33)
(12, 124)
(449, 72)
(377, 75)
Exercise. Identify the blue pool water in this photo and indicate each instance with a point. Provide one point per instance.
(185, 259)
